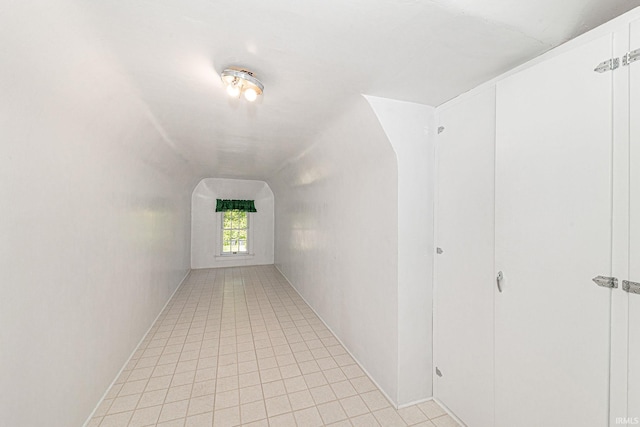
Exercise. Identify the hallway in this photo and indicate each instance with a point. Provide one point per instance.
(238, 346)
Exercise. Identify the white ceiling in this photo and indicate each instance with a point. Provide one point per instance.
(313, 57)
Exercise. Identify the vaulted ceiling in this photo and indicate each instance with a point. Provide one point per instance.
(314, 57)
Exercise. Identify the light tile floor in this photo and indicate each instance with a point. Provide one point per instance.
(238, 346)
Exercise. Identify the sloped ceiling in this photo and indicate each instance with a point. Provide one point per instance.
(313, 57)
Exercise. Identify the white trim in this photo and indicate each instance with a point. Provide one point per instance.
(439, 403)
(448, 411)
(436, 244)
(241, 255)
(415, 402)
(339, 340)
(135, 349)
(236, 255)
(232, 266)
(621, 217)
(218, 243)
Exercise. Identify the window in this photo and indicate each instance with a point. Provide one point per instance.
(235, 232)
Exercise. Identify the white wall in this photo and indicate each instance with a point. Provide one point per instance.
(336, 236)
(411, 131)
(205, 226)
(94, 219)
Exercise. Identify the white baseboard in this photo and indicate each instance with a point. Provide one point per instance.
(134, 350)
(415, 402)
(391, 401)
(228, 262)
(448, 411)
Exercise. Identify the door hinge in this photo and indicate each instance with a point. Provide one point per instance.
(608, 65)
(631, 287)
(630, 57)
(606, 281)
(438, 373)
(439, 251)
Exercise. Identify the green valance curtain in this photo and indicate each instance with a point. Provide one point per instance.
(235, 205)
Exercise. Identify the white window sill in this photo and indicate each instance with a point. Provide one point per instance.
(234, 256)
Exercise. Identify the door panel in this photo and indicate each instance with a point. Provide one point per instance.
(463, 286)
(553, 235)
(634, 235)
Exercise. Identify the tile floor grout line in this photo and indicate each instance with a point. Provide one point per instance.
(215, 397)
(255, 312)
(258, 366)
(338, 339)
(144, 337)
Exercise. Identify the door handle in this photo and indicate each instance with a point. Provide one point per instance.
(499, 281)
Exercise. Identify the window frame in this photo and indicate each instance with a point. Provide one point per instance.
(220, 237)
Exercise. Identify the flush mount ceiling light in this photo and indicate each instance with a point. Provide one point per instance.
(242, 82)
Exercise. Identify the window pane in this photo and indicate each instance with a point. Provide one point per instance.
(237, 220)
(242, 241)
(234, 232)
(227, 220)
(241, 220)
(226, 241)
(234, 241)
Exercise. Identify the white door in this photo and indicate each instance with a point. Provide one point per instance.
(463, 285)
(634, 235)
(553, 235)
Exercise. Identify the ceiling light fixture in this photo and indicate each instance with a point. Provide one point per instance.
(242, 82)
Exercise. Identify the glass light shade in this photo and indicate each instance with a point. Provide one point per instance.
(233, 91)
(250, 94)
